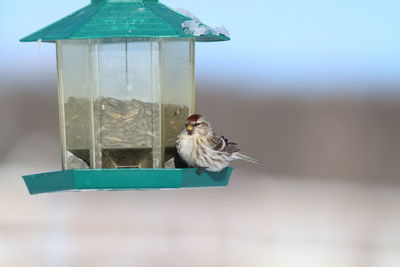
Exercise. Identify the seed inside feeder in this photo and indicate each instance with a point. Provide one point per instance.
(127, 133)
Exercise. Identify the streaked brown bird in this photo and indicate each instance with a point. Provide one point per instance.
(200, 147)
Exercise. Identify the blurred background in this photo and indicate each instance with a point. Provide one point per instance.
(311, 88)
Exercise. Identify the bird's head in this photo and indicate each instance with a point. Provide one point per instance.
(196, 124)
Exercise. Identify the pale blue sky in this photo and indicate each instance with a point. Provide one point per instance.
(281, 41)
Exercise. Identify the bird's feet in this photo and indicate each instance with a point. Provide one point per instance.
(200, 170)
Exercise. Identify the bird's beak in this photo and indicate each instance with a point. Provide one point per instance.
(189, 128)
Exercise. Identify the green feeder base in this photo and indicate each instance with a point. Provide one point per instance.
(123, 179)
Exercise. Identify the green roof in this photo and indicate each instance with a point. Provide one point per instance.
(125, 18)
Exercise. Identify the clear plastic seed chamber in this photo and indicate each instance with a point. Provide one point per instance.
(123, 101)
(126, 84)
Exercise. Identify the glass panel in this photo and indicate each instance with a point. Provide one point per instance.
(178, 89)
(72, 57)
(129, 93)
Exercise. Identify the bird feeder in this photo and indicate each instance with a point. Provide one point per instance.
(126, 84)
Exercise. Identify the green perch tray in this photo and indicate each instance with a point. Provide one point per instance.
(124, 179)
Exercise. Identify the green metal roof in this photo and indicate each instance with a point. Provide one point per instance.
(125, 18)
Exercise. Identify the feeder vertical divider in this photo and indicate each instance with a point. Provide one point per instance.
(95, 106)
(156, 84)
(63, 139)
(192, 67)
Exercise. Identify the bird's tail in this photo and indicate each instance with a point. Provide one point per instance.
(247, 158)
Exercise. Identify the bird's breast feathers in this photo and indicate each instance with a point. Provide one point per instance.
(186, 147)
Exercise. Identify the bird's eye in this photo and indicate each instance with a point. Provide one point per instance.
(196, 124)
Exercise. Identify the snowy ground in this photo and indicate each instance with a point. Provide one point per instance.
(257, 221)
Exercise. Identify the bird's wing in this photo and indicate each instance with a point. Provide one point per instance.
(223, 144)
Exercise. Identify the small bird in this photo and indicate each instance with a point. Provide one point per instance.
(201, 148)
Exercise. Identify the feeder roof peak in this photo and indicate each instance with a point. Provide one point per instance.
(126, 18)
(121, 1)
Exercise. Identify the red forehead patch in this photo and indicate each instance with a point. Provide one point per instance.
(194, 117)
